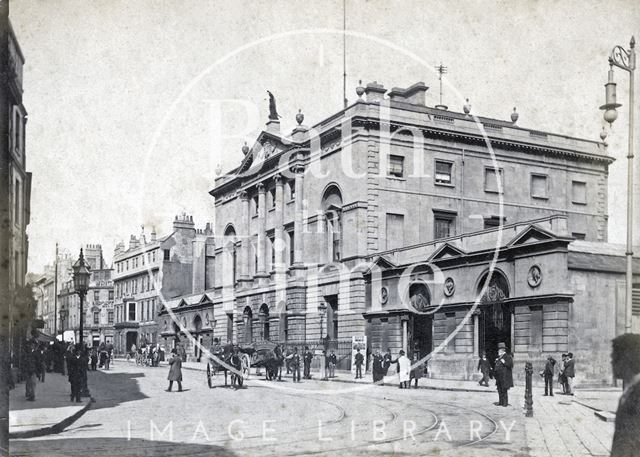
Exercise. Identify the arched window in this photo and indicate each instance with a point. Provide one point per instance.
(419, 296)
(332, 207)
(247, 319)
(230, 248)
(264, 321)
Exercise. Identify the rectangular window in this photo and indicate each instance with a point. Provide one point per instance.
(539, 186)
(256, 205)
(272, 245)
(396, 166)
(443, 172)
(110, 317)
(491, 180)
(272, 198)
(578, 236)
(16, 201)
(579, 192)
(96, 296)
(96, 318)
(132, 311)
(291, 248)
(292, 190)
(395, 231)
(154, 256)
(443, 224)
(111, 295)
(167, 254)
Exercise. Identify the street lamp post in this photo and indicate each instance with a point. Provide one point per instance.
(322, 309)
(81, 275)
(626, 60)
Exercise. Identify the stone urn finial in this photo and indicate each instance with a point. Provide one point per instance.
(467, 107)
(360, 89)
(245, 148)
(514, 115)
(299, 117)
(218, 172)
(603, 134)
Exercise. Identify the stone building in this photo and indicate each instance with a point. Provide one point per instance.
(317, 230)
(99, 314)
(152, 271)
(17, 299)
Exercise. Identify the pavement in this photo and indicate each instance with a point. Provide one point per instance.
(49, 413)
(134, 416)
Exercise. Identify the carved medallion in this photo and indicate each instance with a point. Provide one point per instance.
(449, 287)
(268, 149)
(534, 278)
(384, 295)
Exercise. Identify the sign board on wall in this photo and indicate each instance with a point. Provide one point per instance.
(358, 342)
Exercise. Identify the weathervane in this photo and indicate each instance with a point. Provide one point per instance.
(441, 69)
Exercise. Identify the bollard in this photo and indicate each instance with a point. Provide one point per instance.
(528, 396)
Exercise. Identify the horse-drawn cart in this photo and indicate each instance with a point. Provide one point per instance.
(238, 359)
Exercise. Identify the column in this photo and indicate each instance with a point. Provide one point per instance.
(298, 220)
(279, 221)
(476, 334)
(405, 323)
(244, 272)
(262, 228)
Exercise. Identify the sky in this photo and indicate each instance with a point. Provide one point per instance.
(122, 95)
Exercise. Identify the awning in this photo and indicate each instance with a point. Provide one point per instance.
(43, 337)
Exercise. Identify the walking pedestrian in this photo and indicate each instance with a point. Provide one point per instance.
(484, 366)
(404, 370)
(562, 379)
(503, 374)
(359, 360)
(417, 371)
(625, 359)
(295, 364)
(30, 371)
(569, 373)
(548, 373)
(74, 375)
(386, 361)
(175, 370)
(308, 357)
(94, 359)
(333, 361)
(376, 366)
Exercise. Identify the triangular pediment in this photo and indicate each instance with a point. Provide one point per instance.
(446, 251)
(531, 235)
(266, 145)
(204, 299)
(182, 303)
(381, 262)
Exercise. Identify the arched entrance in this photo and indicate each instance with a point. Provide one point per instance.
(263, 316)
(247, 319)
(332, 207)
(495, 317)
(420, 328)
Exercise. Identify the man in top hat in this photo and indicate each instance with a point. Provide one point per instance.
(569, 373)
(503, 374)
(625, 359)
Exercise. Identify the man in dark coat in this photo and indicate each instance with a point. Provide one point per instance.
(549, 368)
(625, 358)
(31, 371)
(569, 372)
(333, 361)
(504, 375)
(387, 360)
(175, 370)
(377, 367)
(484, 367)
(295, 365)
(74, 373)
(308, 357)
(359, 360)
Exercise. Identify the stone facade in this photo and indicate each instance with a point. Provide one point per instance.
(310, 224)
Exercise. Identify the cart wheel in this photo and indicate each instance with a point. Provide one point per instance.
(245, 367)
(209, 376)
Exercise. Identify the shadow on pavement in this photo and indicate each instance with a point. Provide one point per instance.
(113, 389)
(113, 446)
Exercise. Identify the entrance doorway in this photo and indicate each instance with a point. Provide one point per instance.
(495, 317)
(422, 341)
(332, 317)
(132, 338)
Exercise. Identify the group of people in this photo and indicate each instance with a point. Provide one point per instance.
(150, 355)
(101, 357)
(566, 373)
(406, 369)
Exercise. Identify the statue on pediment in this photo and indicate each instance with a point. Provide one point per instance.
(273, 112)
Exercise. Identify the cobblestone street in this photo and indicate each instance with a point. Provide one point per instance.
(134, 416)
